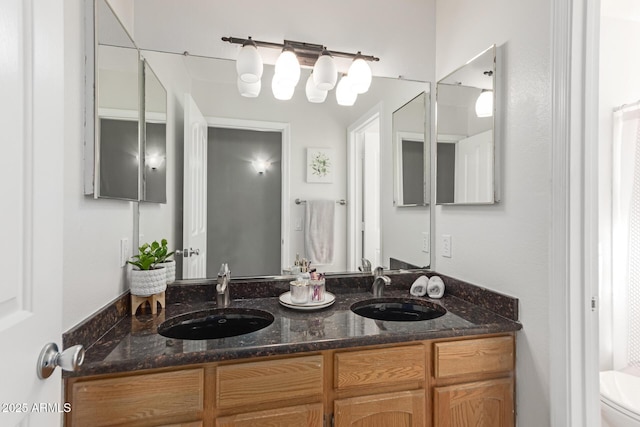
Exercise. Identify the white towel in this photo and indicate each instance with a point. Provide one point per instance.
(318, 231)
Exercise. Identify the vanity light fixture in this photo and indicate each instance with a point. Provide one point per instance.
(325, 72)
(484, 104)
(345, 95)
(249, 90)
(314, 93)
(281, 91)
(249, 63)
(287, 70)
(360, 74)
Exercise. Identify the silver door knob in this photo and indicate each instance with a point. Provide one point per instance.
(69, 360)
(186, 253)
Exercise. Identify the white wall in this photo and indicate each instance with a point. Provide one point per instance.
(619, 84)
(505, 246)
(92, 228)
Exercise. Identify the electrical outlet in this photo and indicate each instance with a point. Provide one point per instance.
(124, 251)
(446, 245)
(425, 241)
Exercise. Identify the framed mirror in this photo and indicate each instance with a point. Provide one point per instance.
(154, 176)
(411, 151)
(112, 149)
(466, 137)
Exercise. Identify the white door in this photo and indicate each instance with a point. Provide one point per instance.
(31, 170)
(363, 190)
(194, 228)
(474, 169)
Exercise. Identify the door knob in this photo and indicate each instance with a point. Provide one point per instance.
(186, 253)
(50, 357)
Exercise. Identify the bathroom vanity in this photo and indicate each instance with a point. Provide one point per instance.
(308, 368)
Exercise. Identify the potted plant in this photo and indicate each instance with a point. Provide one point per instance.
(161, 251)
(147, 277)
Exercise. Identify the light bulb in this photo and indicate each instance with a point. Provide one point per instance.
(325, 72)
(360, 75)
(344, 92)
(314, 94)
(288, 68)
(484, 104)
(249, 63)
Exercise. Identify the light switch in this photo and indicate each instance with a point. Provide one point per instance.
(446, 245)
(425, 242)
(298, 224)
(124, 251)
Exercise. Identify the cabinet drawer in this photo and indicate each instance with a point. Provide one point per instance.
(477, 356)
(379, 367)
(269, 381)
(303, 415)
(114, 401)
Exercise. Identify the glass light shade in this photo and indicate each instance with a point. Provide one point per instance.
(249, 90)
(344, 92)
(325, 72)
(484, 104)
(260, 166)
(288, 68)
(314, 94)
(249, 64)
(360, 75)
(281, 91)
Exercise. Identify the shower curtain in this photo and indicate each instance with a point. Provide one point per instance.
(626, 237)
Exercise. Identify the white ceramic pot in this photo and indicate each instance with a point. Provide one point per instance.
(170, 268)
(148, 282)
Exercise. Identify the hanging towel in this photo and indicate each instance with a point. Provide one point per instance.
(318, 231)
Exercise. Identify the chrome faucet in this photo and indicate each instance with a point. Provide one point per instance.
(222, 288)
(366, 266)
(379, 282)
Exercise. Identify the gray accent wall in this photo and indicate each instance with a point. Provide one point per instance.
(446, 173)
(243, 207)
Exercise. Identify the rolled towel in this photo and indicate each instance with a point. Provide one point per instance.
(435, 287)
(419, 287)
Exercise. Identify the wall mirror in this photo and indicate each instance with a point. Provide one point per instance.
(411, 153)
(213, 86)
(113, 124)
(154, 181)
(465, 125)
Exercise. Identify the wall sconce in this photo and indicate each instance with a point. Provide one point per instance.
(287, 70)
(260, 166)
(154, 161)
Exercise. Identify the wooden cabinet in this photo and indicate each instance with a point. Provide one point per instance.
(158, 399)
(478, 404)
(474, 383)
(444, 383)
(399, 409)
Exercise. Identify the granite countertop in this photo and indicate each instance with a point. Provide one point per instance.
(132, 343)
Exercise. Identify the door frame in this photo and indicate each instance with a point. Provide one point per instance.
(573, 255)
(285, 131)
(354, 131)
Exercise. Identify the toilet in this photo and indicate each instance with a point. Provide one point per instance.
(619, 399)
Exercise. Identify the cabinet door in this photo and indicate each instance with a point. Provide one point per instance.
(400, 409)
(295, 416)
(478, 404)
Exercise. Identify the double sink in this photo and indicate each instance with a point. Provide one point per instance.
(233, 321)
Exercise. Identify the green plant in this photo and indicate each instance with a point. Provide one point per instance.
(146, 259)
(161, 251)
(151, 254)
